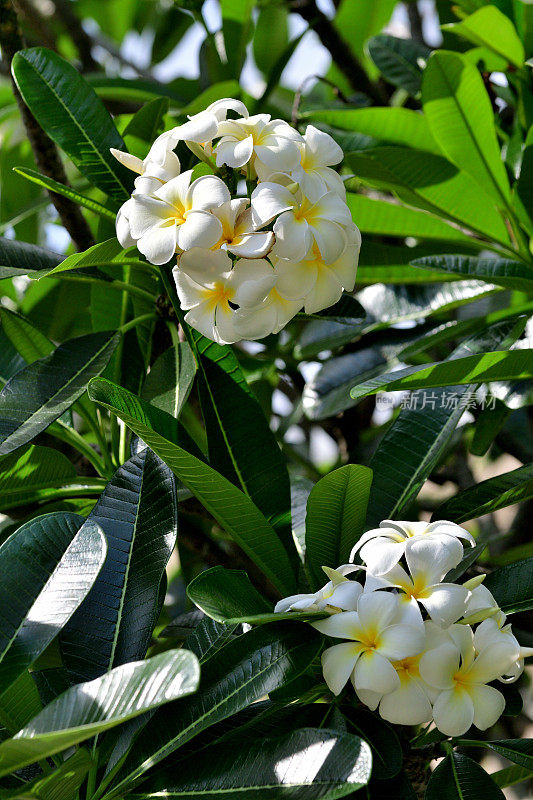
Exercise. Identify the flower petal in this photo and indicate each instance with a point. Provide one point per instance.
(402, 641)
(406, 705)
(338, 663)
(205, 266)
(202, 317)
(346, 596)
(453, 712)
(381, 555)
(488, 703)
(269, 200)
(252, 245)
(207, 192)
(342, 626)
(234, 153)
(324, 148)
(369, 698)
(159, 243)
(377, 610)
(438, 666)
(295, 279)
(445, 603)
(373, 671)
(293, 237)
(200, 229)
(330, 238)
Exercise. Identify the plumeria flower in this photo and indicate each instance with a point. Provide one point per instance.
(269, 145)
(270, 316)
(495, 629)
(461, 672)
(375, 639)
(176, 216)
(201, 128)
(428, 562)
(152, 174)
(339, 594)
(301, 222)
(318, 153)
(382, 548)
(207, 284)
(320, 284)
(239, 234)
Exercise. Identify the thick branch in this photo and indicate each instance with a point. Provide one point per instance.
(81, 39)
(339, 50)
(45, 151)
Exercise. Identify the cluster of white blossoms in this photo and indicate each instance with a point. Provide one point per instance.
(247, 264)
(414, 647)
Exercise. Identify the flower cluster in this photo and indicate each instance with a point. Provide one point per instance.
(246, 264)
(415, 647)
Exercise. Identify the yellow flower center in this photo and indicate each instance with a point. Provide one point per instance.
(218, 295)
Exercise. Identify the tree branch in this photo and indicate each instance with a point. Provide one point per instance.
(339, 50)
(45, 151)
(81, 39)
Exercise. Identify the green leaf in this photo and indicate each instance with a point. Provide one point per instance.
(240, 673)
(65, 191)
(232, 509)
(302, 765)
(91, 708)
(236, 28)
(104, 254)
(19, 702)
(490, 495)
(207, 638)
(61, 784)
(19, 258)
(400, 61)
(32, 474)
(138, 514)
(73, 116)
(336, 513)
(223, 594)
(430, 182)
(520, 751)
(509, 776)
(37, 395)
(502, 271)
(170, 379)
(394, 125)
(48, 567)
(271, 36)
(512, 586)
(461, 119)
(390, 219)
(516, 364)
(488, 27)
(415, 442)
(457, 777)
(24, 336)
(387, 756)
(146, 124)
(357, 21)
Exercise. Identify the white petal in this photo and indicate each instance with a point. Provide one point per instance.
(453, 712)
(443, 526)
(189, 292)
(438, 666)
(234, 153)
(252, 280)
(342, 626)
(129, 161)
(206, 266)
(324, 148)
(200, 229)
(325, 293)
(256, 323)
(207, 192)
(445, 603)
(278, 153)
(338, 663)
(377, 610)
(346, 596)
(373, 671)
(489, 704)
(202, 317)
(269, 200)
(293, 237)
(332, 207)
(402, 641)
(429, 559)
(493, 661)
(122, 225)
(369, 698)
(293, 602)
(220, 108)
(252, 245)
(380, 554)
(200, 128)
(159, 243)
(295, 279)
(144, 213)
(330, 238)
(174, 192)
(407, 705)
(225, 327)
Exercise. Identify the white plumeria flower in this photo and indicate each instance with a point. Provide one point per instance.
(176, 216)
(207, 284)
(122, 225)
(320, 284)
(318, 153)
(461, 673)
(239, 234)
(201, 128)
(382, 548)
(268, 145)
(339, 594)
(270, 316)
(428, 562)
(376, 639)
(494, 629)
(152, 174)
(300, 222)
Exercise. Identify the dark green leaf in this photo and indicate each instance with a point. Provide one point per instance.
(520, 751)
(104, 254)
(73, 116)
(65, 191)
(61, 784)
(91, 708)
(302, 765)
(48, 567)
(271, 36)
(502, 271)
(489, 27)
(32, 474)
(457, 777)
(400, 61)
(336, 513)
(207, 638)
(19, 258)
(387, 756)
(226, 593)
(170, 379)
(25, 337)
(512, 586)
(37, 395)
(138, 514)
(490, 495)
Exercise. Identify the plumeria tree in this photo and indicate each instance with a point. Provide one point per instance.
(266, 446)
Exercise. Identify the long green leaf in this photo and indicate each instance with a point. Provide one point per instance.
(232, 509)
(19, 258)
(19, 703)
(37, 395)
(489, 27)
(91, 708)
(490, 495)
(48, 567)
(457, 777)
(518, 750)
(73, 116)
(304, 764)
(61, 784)
(336, 513)
(502, 271)
(400, 61)
(105, 254)
(394, 125)
(240, 673)
(461, 119)
(170, 379)
(24, 336)
(29, 474)
(512, 586)
(65, 191)
(486, 367)
(225, 593)
(138, 514)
